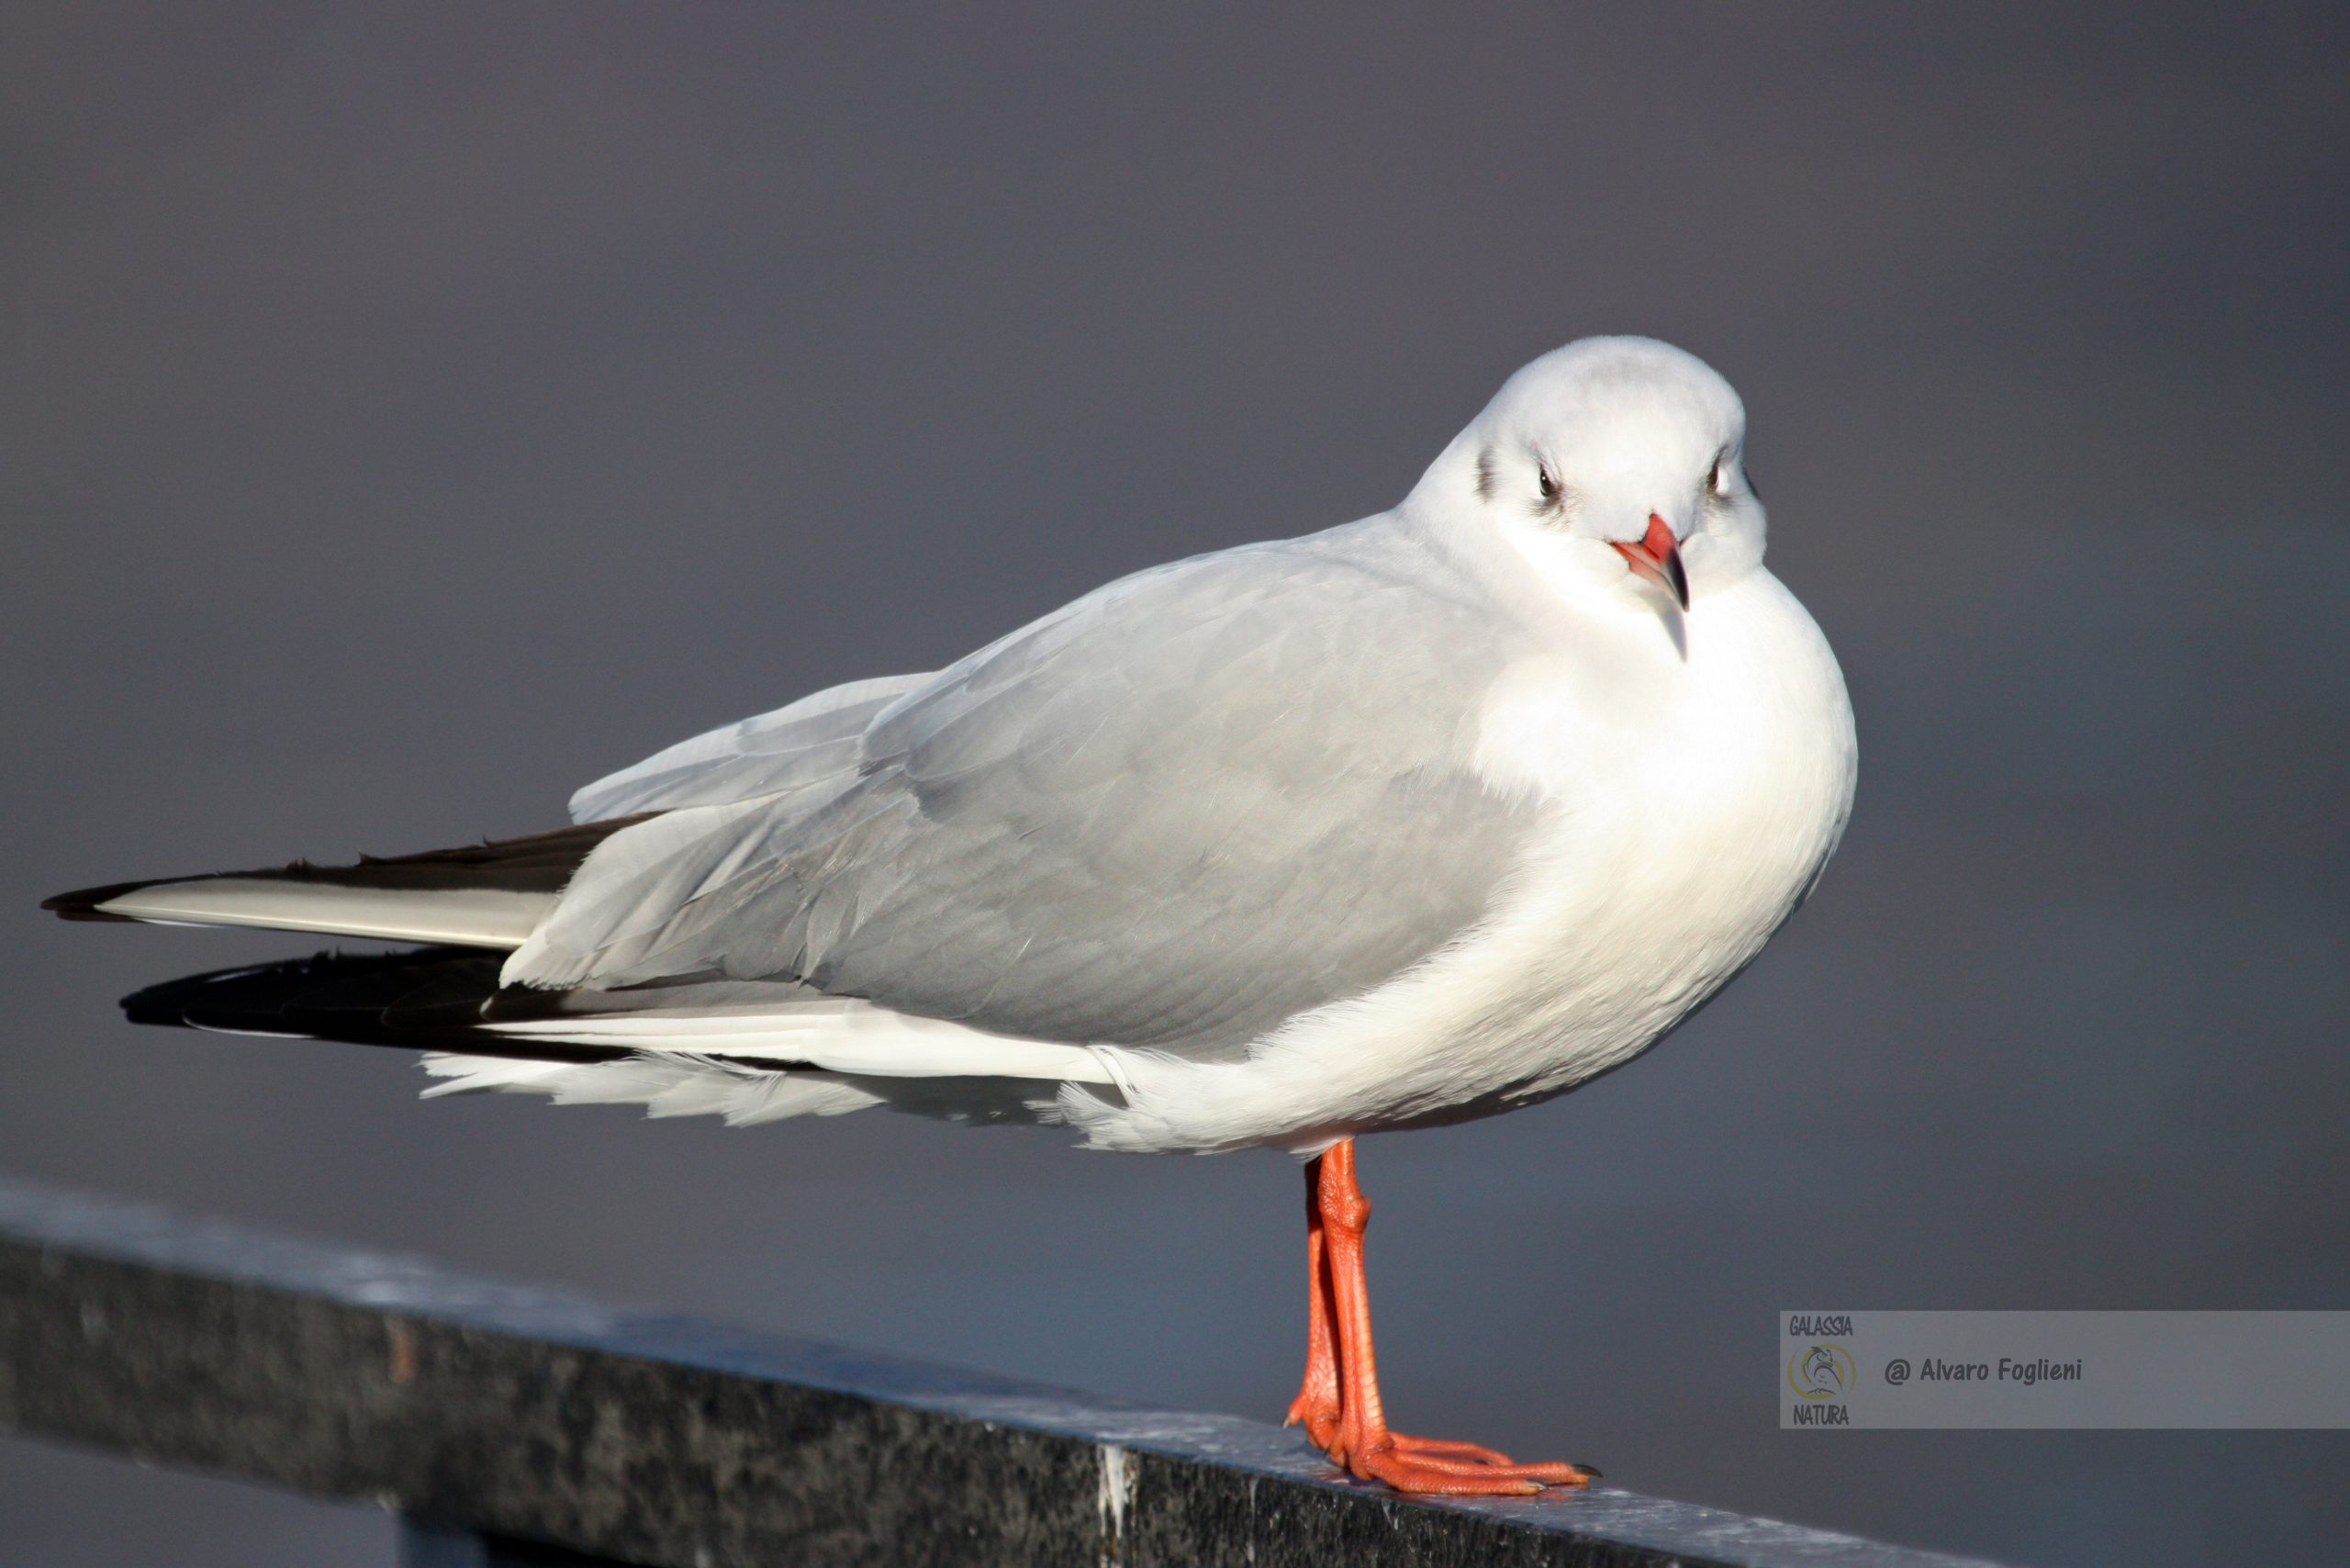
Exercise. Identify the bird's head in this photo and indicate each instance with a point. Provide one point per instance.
(1616, 465)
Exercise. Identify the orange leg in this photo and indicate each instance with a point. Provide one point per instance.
(1339, 1405)
(1316, 1405)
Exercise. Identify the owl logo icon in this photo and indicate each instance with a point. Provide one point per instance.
(1821, 1372)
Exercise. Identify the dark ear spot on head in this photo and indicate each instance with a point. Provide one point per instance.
(1485, 475)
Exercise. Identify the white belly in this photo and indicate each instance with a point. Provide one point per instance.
(1689, 804)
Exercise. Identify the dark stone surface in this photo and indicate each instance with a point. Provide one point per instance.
(648, 1439)
(432, 1546)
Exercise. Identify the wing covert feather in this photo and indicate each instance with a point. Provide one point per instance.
(802, 746)
(1174, 814)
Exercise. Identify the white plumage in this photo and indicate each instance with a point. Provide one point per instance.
(1418, 819)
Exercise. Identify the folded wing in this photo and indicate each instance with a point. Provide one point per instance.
(807, 746)
(1179, 812)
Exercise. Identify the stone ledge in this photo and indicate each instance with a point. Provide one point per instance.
(508, 1411)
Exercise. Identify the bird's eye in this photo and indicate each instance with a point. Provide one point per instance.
(1717, 480)
(1550, 485)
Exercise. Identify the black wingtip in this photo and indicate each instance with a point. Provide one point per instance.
(535, 863)
(83, 902)
(266, 998)
(166, 1002)
(418, 999)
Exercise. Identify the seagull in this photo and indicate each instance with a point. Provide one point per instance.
(1411, 820)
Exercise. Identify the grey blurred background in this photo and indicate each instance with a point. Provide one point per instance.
(411, 412)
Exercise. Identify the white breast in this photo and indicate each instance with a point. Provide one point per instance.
(1689, 803)
(1693, 801)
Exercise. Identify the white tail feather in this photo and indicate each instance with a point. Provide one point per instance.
(476, 1075)
(835, 1035)
(469, 917)
(678, 1086)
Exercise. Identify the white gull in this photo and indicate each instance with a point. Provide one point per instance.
(1413, 820)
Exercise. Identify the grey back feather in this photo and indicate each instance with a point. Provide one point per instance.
(804, 745)
(1174, 814)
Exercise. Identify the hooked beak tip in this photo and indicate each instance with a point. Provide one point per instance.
(1657, 558)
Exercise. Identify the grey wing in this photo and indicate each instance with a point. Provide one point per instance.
(809, 744)
(1174, 814)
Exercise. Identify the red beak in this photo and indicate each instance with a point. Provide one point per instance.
(1658, 558)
